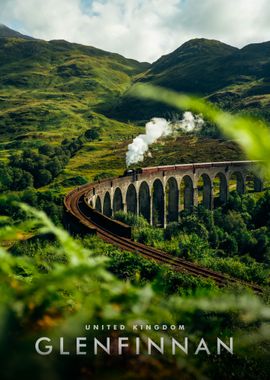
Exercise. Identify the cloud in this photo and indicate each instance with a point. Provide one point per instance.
(237, 22)
(140, 29)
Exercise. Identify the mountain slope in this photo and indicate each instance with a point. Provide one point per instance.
(53, 86)
(236, 79)
(189, 67)
(7, 32)
(54, 91)
(50, 91)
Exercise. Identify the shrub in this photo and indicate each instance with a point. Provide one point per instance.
(193, 247)
(131, 219)
(191, 224)
(171, 230)
(92, 134)
(150, 235)
(43, 177)
(261, 215)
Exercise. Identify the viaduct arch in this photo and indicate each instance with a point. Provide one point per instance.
(117, 200)
(172, 200)
(145, 201)
(187, 193)
(107, 208)
(132, 199)
(160, 193)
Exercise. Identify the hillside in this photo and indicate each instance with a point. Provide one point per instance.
(192, 67)
(51, 91)
(49, 87)
(7, 32)
(235, 79)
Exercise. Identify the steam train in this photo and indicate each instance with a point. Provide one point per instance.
(155, 169)
(132, 172)
(193, 167)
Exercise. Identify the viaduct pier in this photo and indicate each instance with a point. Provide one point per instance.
(160, 193)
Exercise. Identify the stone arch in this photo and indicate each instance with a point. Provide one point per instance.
(172, 200)
(237, 182)
(117, 200)
(220, 189)
(205, 195)
(158, 203)
(107, 207)
(131, 199)
(98, 204)
(144, 201)
(253, 183)
(187, 193)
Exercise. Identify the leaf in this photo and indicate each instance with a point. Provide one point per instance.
(252, 135)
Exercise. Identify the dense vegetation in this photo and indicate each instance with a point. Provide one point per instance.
(58, 287)
(234, 239)
(38, 168)
(49, 201)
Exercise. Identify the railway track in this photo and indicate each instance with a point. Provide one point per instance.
(76, 205)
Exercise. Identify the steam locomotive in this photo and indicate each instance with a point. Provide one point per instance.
(193, 167)
(132, 172)
(155, 169)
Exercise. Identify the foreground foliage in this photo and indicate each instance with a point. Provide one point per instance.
(233, 239)
(57, 293)
(252, 135)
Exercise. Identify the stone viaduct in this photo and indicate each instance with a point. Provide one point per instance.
(160, 193)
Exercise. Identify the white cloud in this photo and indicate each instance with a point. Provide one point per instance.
(237, 22)
(140, 29)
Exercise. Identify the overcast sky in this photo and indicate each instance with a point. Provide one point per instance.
(140, 29)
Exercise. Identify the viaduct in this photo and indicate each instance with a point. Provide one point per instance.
(160, 193)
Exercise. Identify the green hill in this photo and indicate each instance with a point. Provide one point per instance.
(190, 68)
(53, 86)
(236, 79)
(53, 91)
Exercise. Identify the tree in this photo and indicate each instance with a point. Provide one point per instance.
(5, 178)
(261, 251)
(30, 197)
(43, 177)
(261, 215)
(92, 134)
(47, 150)
(14, 179)
(191, 224)
(54, 167)
(21, 179)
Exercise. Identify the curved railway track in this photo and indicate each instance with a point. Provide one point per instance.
(77, 206)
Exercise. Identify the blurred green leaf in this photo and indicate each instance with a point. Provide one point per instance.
(252, 135)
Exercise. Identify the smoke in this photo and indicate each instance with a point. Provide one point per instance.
(190, 122)
(154, 129)
(157, 128)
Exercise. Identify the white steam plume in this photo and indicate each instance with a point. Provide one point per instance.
(190, 122)
(154, 129)
(157, 128)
